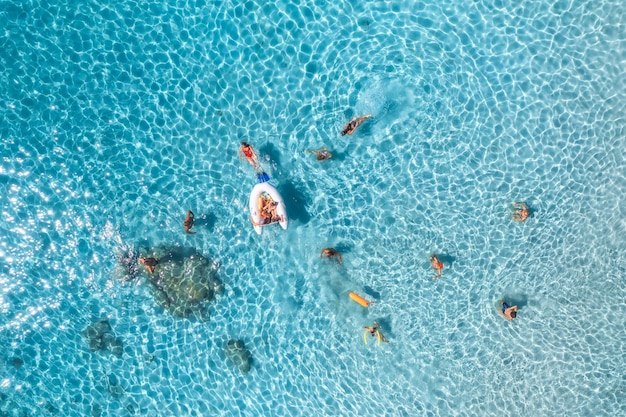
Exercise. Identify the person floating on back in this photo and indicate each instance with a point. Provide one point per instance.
(331, 253)
(374, 332)
(149, 263)
(507, 311)
(247, 151)
(351, 126)
(188, 224)
(437, 265)
(321, 154)
(520, 212)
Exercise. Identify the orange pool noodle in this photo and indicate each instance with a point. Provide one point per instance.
(357, 298)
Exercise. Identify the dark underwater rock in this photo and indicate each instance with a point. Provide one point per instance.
(100, 337)
(183, 281)
(17, 362)
(238, 354)
(127, 265)
(114, 386)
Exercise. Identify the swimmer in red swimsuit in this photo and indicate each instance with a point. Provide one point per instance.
(437, 265)
(247, 151)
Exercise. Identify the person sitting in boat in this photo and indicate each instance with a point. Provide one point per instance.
(351, 126)
(520, 212)
(331, 253)
(247, 151)
(507, 311)
(264, 221)
(437, 265)
(267, 212)
(321, 154)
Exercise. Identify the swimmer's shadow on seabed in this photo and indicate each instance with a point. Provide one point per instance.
(446, 260)
(205, 221)
(269, 151)
(337, 157)
(385, 326)
(295, 202)
(519, 300)
(343, 248)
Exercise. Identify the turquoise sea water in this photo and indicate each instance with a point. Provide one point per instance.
(118, 117)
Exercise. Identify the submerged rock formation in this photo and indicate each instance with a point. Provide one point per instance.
(238, 354)
(100, 337)
(127, 267)
(183, 281)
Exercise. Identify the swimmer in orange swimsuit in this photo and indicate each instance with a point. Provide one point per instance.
(247, 151)
(351, 126)
(437, 265)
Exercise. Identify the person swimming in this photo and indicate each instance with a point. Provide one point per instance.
(331, 253)
(149, 263)
(247, 151)
(374, 331)
(321, 154)
(507, 311)
(188, 223)
(351, 126)
(437, 265)
(520, 212)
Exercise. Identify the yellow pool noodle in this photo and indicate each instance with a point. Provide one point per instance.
(357, 298)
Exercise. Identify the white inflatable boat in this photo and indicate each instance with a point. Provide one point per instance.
(266, 206)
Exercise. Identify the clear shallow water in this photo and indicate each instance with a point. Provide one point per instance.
(117, 119)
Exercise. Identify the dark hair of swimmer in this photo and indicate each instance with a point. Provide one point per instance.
(350, 127)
